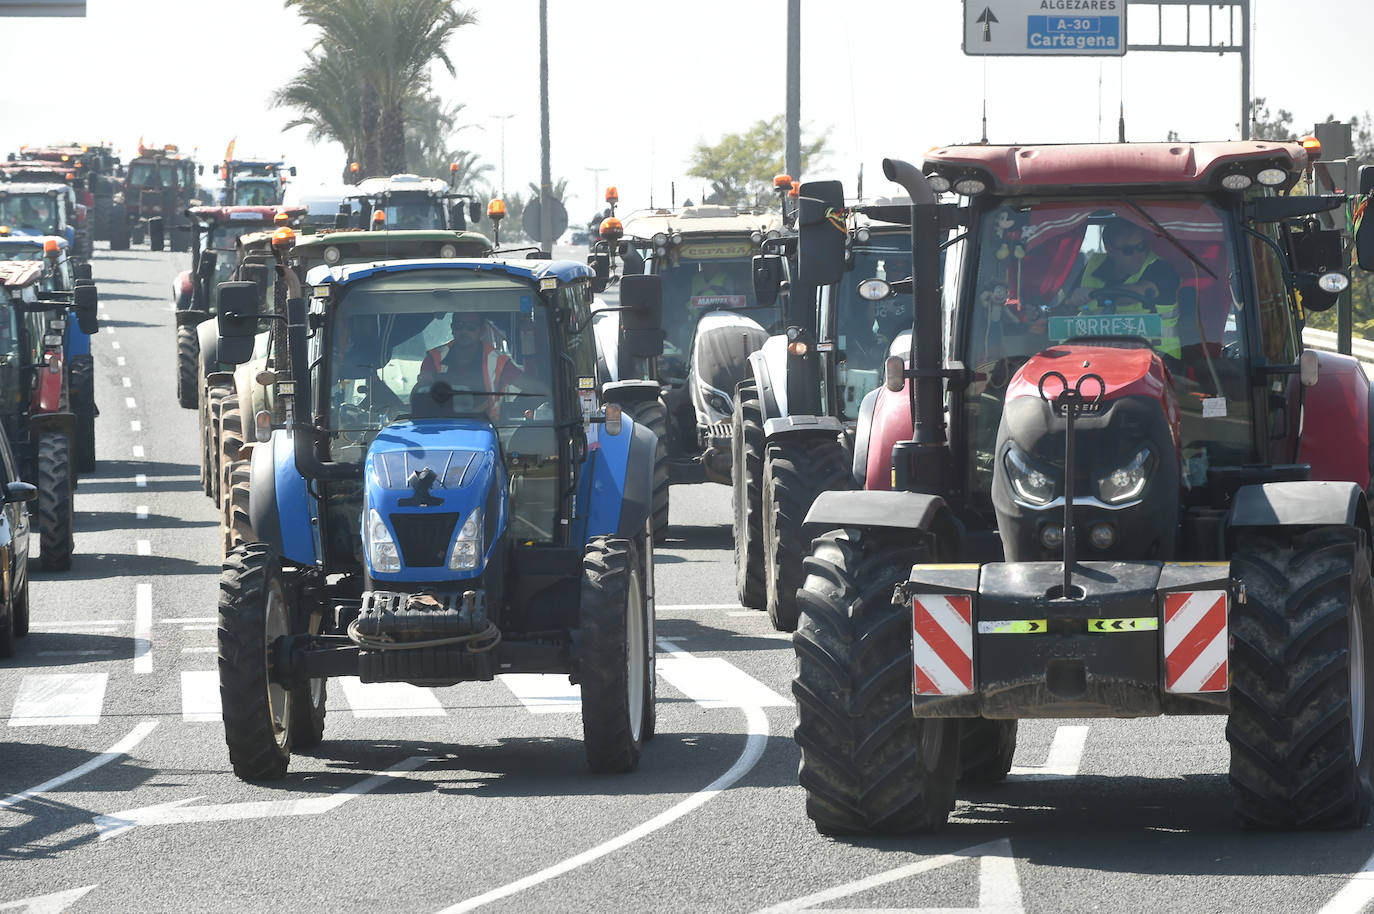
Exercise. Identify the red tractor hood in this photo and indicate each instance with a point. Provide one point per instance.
(1124, 373)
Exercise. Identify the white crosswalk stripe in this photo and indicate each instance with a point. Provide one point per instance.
(57, 699)
(200, 695)
(389, 699)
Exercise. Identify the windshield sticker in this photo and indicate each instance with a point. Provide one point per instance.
(716, 249)
(1214, 408)
(1148, 326)
(719, 301)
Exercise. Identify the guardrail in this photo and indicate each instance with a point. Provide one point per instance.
(1325, 340)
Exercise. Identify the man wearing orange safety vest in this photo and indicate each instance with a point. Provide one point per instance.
(1135, 280)
(470, 363)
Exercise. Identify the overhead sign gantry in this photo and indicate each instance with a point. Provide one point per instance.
(1045, 28)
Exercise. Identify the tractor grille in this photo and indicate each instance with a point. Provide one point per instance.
(423, 538)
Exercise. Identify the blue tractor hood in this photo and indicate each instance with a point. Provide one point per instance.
(424, 478)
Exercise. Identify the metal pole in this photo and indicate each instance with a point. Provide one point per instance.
(545, 179)
(596, 183)
(503, 118)
(1245, 115)
(792, 142)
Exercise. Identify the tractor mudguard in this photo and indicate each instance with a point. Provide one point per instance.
(891, 423)
(891, 510)
(1337, 422)
(279, 503)
(606, 332)
(621, 495)
(769, 368)
(50, 385)
(1310, 503)
(64, 422)
(181, 290)
(207, 333)
(77, 341)
(862, 429)
(629, 391)
(791, 426)
(191, 317)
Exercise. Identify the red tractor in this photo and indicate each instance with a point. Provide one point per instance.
(1107, 482)
(93, 172)
(159, 184)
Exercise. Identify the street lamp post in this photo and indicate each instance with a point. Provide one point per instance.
(503, 118)
(596, 182)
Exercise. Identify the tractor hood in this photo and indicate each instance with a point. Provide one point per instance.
(423, 481)
(720, 360)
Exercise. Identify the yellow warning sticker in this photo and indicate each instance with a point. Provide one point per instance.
(717, 250)
(1013, 627)
(1108, 626)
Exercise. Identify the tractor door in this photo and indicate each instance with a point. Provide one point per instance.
(1278, 394)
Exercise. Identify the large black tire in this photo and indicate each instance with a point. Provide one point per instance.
(1300, 729)
(795, 471)
(119, 227)
(235, 525)
(188, 367)
(100, 218)
(209, 463)
(21, 609)
(654, 415)
(156, 233)
(258, 714)
(7, 632)
(746, 495)
(180, 240)
(986, 748)
(611, 655)
(230, 441)
(82, 386)
(55, 517)
(867, 765)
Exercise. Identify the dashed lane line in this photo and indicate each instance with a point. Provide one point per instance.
(143, 629)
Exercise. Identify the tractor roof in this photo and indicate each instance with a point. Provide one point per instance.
(562, 270)
(29, 241)
(713, 220)
(19, 274)
(243, 213)
(31, 187)
(372, 187)
(1025, 169)
(328, 237)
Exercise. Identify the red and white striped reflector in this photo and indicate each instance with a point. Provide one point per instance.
(942, 644)
(1195, 642)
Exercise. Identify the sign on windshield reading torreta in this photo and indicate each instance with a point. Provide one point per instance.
(1045, 28)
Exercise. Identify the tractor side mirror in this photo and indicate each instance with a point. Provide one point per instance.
(259, 274)
(600, 263)
(457, 217)
(474, 212)
(237, 321)
(292, 169)
(641, 315)
(200, 169)
(821, 243)
(1319, 260)
(19, 492)
(206, 267)
(84, 302)
(767, 278)
(82, 271)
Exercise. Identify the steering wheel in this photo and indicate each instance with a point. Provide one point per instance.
(1107, 295)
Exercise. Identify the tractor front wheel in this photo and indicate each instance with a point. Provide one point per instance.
(612, 659)
(55, 517)
(82, 383)
(258, 713)
(155, 234)
(1300, 729)
(654, 415)
(188, 364)
(867, 765)
(795, 471)
(986, 748)
(119, 227)
(746, 495)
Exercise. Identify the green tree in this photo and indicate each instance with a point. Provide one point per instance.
(1267, 125)
(431, 126)
(740, 167)
(378, 54)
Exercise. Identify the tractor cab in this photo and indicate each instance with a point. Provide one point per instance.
(250, 182)
(405, 202)
(159, 183)
(39, 209)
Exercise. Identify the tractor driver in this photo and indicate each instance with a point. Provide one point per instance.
(1144, 283)
(470, 363)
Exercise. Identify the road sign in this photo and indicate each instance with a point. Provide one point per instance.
(558, 219)
(1045, 28)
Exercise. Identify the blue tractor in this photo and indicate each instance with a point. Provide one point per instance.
(447, 501)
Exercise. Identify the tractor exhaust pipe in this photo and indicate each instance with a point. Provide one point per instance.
(931, 469)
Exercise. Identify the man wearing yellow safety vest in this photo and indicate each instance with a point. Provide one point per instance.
(1129, 278)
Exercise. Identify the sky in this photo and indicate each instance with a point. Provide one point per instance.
(634, 87)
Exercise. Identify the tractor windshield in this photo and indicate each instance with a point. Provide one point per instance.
(864, 329)
(254, 193)
(1124, 272)
(153, 174)
(413, 211)
(30, 213)
(704, 276)
(222, 236)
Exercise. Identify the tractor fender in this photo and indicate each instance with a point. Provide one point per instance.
(51, 384)
(621, 496)
(191, 317)
(863, 427)
(76, 342)
(279, 505)
(769, 367)
(891, 422)
(207, 335)
(796, 426)
(1305, 503)
(1336, 422)
(630, 392)
(889, 510)
(606, 333)
(181, 290)
(64, 422)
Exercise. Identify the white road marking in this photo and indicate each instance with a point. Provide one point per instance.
(143, 629)
(200, 695)
(121, 748)
(141, 481)
(59, 699)
(128, 382)
(188, 620)
(114, 344)
(756, 728)
(178, 811)
(144, 547)
(1357, 893)
(389, 699)
(1063, 759)
(56, 903)
(714, 683)
(141, 512)
(999, 889)
(130, 402)
(138, 450)
(688, 607)
(119, 360)
(545, 693)
(135, 425)
(199, 628)
(199, 650)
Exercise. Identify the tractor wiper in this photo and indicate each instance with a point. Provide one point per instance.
(1167, 235)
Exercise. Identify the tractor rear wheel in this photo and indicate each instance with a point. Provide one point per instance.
(82, 386)
(236, 527)
(867, 765)
(119, 227)
(612, 661)
(746, 495)
(188, 365)
(55, 518)
(986, 748)
(1301, 732)
(156, 234)
(654, 415)
(795, 471)
(258, 713)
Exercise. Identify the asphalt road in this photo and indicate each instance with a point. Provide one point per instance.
(116, 793)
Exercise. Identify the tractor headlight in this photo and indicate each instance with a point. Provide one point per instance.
(467, 548)
(448, 250)
(1029, 485)
(381, 548)
(1127, 482)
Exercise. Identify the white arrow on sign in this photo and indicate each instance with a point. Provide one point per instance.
(178, 811)
(999, 889)
(56, 903)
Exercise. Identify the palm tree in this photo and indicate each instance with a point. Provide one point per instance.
(390, 45)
